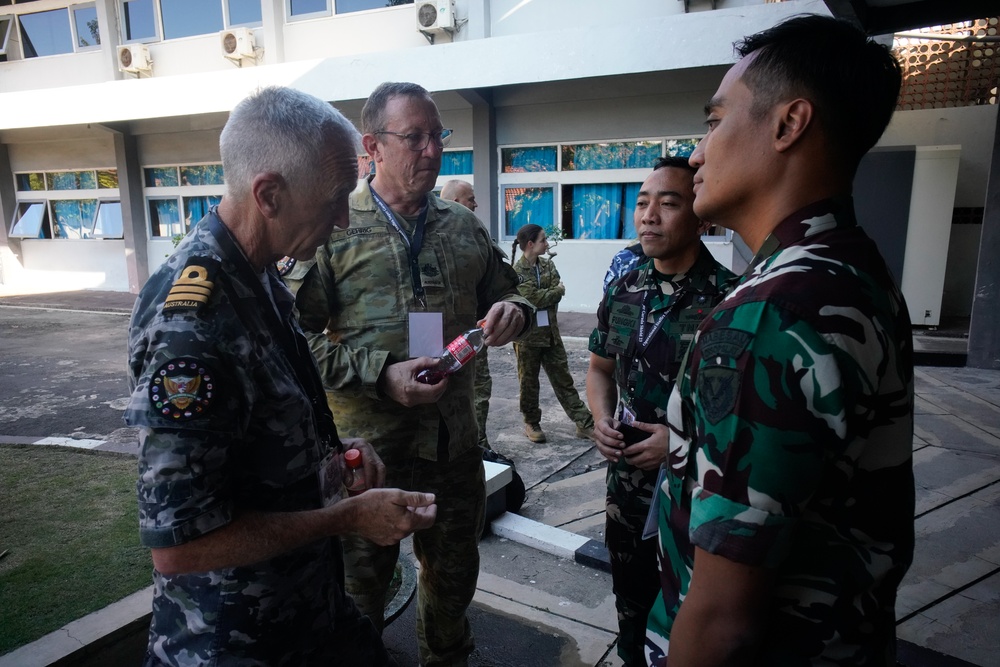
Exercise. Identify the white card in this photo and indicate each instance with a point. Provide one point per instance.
(543, 318)
(426, 334)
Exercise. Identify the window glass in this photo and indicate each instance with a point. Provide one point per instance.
(621, 155)
(5, 23)
(244, 12)
(30, 182)
(46, 33)
(108, 224)
(456, 163)
(681, 147)
(202, 174)
(107, 179)
(71, 180)
(31, 222)
(161, 177)
(164, 218)
(88, 33)
(537, 158)
(301, 7)
(73, 218)
(599, 210)
(138, 19)
(195, 208)
(184, 18)
(523, 205)
(347, 6)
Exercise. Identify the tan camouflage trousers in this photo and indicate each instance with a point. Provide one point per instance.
(530, 361)
(448, 553)
(484, 388)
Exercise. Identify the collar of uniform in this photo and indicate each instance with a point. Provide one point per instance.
(361, 200)
(809, 220)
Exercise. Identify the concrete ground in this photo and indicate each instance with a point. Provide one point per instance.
(62, 382)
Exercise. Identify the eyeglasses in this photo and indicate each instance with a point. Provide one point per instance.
(417, 141)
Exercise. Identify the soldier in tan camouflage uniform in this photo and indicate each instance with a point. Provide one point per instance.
(411, 265)
(542, 347)
(786, 513)
(239, 461)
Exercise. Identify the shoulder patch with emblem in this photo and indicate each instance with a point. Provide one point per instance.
(194, 286)
(182, 389)
(718, 387)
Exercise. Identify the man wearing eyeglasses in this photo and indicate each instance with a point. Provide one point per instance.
(409, 274)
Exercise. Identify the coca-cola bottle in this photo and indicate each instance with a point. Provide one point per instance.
(354, 472)
(458, 353)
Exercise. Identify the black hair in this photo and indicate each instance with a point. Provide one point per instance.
(852, 81)
(673, 161)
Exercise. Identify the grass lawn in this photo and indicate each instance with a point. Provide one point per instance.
(68, 520)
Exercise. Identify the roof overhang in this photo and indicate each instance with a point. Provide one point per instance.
(880, 17)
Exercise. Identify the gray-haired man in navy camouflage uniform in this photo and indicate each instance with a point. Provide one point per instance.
(240, 464)
(786, 516)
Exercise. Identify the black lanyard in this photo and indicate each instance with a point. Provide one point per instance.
(289, 339)
(413, 244)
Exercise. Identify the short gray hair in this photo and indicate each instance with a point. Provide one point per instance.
(280, 130)
(373, 113)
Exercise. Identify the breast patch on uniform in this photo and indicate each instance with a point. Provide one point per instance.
(194, 286)
(182, 389)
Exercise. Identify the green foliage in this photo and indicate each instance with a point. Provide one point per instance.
(69, 521)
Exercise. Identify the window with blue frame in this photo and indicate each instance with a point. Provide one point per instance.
(532, 204)
(456, 163)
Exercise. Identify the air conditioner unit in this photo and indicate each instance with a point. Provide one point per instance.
(134, 58)
(237, 44)
(434, 16)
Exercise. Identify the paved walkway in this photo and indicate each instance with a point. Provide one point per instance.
(536, 608)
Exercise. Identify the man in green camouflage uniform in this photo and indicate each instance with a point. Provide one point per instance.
(408, 256)
(239, 461)
(786, 517)
(645, 323)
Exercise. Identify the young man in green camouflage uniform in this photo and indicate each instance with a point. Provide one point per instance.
(239, 462)
(786, 517)
(645, 323)
(410, 265)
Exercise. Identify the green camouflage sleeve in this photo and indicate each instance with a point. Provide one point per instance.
(340, 367)
(769, 415)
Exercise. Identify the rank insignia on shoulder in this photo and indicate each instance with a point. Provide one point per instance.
(285, 265)
(194, 286)
(182, 389)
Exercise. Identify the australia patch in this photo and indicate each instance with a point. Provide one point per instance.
(182, 389)
(193, 286)
(718, 389)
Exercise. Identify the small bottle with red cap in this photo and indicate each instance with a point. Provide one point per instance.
(354, 472)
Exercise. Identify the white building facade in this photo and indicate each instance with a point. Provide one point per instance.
(110, 114)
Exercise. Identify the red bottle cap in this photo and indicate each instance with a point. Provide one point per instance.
(352, 457)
